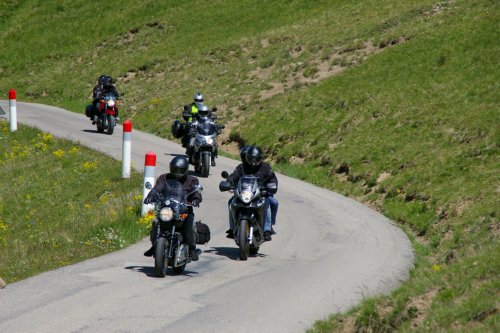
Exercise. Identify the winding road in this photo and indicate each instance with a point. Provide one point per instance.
(330, 252)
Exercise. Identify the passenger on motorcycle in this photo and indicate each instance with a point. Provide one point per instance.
(104, 86)
(179, 172)
(191, 110)
(252, 164)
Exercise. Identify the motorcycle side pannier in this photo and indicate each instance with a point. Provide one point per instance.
(203, 232)
(88, 110)
(177, 129)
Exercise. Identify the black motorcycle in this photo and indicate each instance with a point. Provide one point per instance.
(248, 212)
(203, 148)
(171, 249)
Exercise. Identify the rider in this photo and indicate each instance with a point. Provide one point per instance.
(178, 175)
(191, 110)
(252, 157)
(104, 86)
(273, 202)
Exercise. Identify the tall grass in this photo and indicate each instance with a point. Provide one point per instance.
(61, 203)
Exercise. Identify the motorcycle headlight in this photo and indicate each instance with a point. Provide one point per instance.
(246, 196)
(111, 103)
(166, 214)
(210, 141)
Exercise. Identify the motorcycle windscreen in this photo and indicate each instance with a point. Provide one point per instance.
(248, 183)
(109, 96)
(206, 128)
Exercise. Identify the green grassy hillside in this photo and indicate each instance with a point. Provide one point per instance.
(393, 103)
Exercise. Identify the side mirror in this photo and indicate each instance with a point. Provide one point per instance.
(224, 186)
(224, 174)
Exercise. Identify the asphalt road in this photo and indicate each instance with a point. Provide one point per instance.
(330, 252)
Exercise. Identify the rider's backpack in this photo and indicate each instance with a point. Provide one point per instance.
(203, 232)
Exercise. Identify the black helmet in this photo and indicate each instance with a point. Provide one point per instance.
(243, 152)
(254, 156)
(107, 81)
(203, 110)
(179, 167)
(198, 98)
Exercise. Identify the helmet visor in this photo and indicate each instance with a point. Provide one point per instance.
(254, 160)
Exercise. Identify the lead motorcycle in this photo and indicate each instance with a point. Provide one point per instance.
(247, 209)
(203, 148)
(171, 249)
(107, 113)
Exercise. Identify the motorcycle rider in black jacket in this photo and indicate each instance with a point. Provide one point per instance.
(252, 164)
(104, 86)
(178, 175)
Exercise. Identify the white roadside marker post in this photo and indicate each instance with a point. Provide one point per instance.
(149, 180)
(126, 148)
(12, 110)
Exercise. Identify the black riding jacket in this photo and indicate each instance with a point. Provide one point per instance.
(263, 172)
(167, 180)
(100, 90)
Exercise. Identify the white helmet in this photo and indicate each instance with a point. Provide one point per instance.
(198, 98)
(203, 111)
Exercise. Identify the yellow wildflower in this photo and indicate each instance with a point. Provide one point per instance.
(59, 153)
(436, 268)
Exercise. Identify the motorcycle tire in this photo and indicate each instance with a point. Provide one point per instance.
(179, 269)
(205, 164)
(253, 250)
(111, 124)
(243, 240)
(100, 125)
(160, 257)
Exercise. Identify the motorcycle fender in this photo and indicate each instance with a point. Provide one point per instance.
(110, 112)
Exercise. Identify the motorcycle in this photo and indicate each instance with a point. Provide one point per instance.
(247, 209)
(107, 113)
(203, 148)
(170, 248)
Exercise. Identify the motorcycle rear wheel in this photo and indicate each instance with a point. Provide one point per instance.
(179, 269)
(243, 240)
(100, 125)
(160, 257)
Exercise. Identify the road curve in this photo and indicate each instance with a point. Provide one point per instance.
(330, 252)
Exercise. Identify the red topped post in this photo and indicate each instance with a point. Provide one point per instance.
(12, 110)
(149, 179)
(126, 148)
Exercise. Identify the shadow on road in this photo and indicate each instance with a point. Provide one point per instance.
(150, 271)
(230, 252)
(92, 131)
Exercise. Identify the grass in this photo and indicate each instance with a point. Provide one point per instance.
(61, 203)
(393, 103)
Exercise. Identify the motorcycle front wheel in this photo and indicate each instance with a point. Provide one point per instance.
(111, 124)
(205, 164)
(243, 240)
(160, 257)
